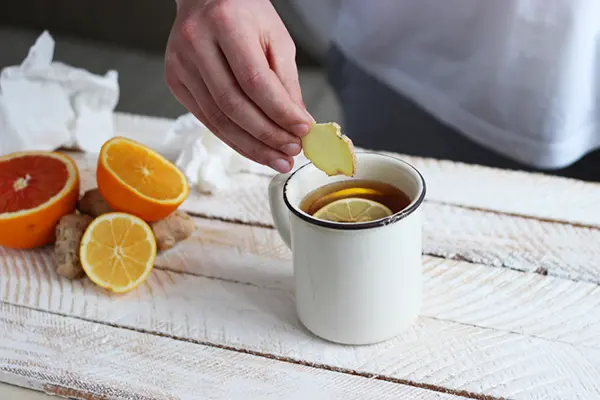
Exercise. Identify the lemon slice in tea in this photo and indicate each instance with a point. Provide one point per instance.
(353, 209)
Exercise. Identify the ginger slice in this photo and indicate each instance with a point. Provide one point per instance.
(329, 150)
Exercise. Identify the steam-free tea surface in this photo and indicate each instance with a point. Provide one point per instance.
(353, 210)
(388, 195)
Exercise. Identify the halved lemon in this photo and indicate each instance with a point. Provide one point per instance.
(353, 209)
(118, 251)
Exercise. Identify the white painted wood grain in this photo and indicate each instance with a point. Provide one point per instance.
(75, 358)
(13, 391)
(488, 330)
(503, 299)
(514, 192)
(514, 242)
(484, 330)
(491, 238)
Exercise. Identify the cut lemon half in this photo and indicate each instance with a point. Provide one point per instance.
(118, 251)
(353, 209)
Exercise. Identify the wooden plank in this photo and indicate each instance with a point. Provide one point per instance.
(12, 391)
(475, 294)
(490, 238)
(513, 192)
(513, 242)
(79, 359)
(511, 334)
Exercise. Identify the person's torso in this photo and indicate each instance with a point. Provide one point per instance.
(522, 76)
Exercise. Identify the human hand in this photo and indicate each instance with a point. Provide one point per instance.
(232, 64)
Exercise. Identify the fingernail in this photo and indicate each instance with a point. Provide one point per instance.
(291, 149)
(280, 165)
(300, 129)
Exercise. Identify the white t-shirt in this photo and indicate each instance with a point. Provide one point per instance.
(518, 76)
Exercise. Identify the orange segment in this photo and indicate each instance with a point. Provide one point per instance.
(36, 190)
(118, 251)
(135, 179)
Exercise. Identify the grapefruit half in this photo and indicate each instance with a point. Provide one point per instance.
(36, 189)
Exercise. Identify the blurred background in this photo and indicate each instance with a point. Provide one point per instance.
(130, 37)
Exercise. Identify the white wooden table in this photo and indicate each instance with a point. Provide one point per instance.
(511, 304)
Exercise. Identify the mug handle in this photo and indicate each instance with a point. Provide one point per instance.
(279, 211)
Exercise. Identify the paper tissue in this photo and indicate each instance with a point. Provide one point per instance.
(45, 104)
(206, 161)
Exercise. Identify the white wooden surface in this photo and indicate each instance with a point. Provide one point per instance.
(511, 307)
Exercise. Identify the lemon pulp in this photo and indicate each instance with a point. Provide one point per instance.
(353, 209)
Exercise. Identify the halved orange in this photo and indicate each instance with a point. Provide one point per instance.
(36, 189)
(133, 178)
(118, 251)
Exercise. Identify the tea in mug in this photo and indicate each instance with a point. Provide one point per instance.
(366, 200)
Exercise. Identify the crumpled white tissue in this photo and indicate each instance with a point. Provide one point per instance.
(46, 104)
(207, 162)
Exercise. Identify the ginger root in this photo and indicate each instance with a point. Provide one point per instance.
(93, 204)
(172, 229)
(168, 231)
(69, 231)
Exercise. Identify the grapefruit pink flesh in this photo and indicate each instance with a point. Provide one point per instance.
(30, 181)
(37, 188)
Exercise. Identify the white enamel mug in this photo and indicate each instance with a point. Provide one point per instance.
(356, 283)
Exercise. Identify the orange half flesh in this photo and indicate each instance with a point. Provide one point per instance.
(135, 179)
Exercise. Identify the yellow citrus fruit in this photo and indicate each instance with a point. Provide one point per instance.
(353, 209)
(135, 179)
(118, 251)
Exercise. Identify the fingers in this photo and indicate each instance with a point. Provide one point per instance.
(185, 97)
(223, 69)
(236, 105)
(282, 60)
(221, 125)
(247, 60)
